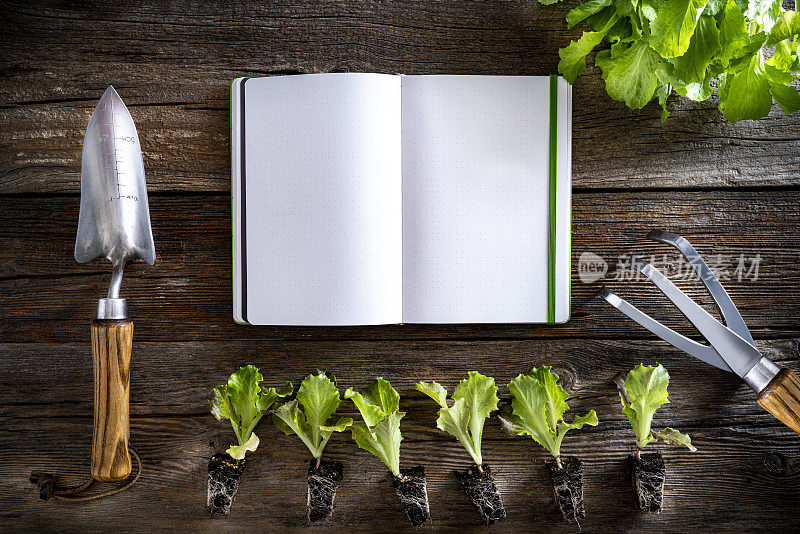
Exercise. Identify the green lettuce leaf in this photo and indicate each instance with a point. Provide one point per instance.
(672, 23)
(319, 399)
(538, 404)
(268, 398)
(573, 58)
(642, 391)
(371, 413)
(434, 390)
(713, 7)
(382, 440)
(745, 93)
(237, 451)
(585, 10)
(733, 34)
(662, 93)
(698, 91)
(474, 399)
(787, 26)
(787, 97)
(703, 47)
(379, 432)
(765, 12)
(630, 72)
(602, 18)
(244, 403)
(381, 393)
(674, 437)
(646, 388)
(785, 57)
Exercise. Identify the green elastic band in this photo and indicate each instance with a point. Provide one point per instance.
(551, 239)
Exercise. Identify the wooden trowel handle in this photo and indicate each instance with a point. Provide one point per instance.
(111, 353)
(781, 398)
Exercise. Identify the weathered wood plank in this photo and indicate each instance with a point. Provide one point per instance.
(173, 62)
(176, 378)
(745, 456)
(751, 466)
(47, 296)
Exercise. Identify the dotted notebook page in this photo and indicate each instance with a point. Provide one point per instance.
(323, 199)
(475, 198)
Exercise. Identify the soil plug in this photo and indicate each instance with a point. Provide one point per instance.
(224, 473)
(647, 474)
(244, 403)
(319, 399)
(537, 409)
(478, 484)
(566, 475)
(473, 400)
(642, 391)
(323, 481)
(412, 490)
(379, 433)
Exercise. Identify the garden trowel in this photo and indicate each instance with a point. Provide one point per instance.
(114, 223)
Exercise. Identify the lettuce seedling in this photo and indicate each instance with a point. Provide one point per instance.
(473, 400)
(379, 433)
(642, 391)
(319, 399)
(244, 403)
(537, 409)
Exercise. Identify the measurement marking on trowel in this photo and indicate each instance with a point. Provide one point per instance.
(120, 178)
(114, 133)
(118, 154)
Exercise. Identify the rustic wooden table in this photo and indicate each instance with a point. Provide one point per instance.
(732, 189)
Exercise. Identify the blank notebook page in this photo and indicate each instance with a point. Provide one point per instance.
(475, 198)
(323, 199)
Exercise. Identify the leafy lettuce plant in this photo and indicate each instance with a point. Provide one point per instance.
(473, 400)
(319, 399)
(656, 46)
(537, 409)
(642, 391)
(244, 403)
(379, 432)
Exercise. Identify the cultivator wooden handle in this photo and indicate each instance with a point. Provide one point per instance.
(781, 398)
(111, 353)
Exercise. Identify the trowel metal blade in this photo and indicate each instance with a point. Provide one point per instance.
(114, 219)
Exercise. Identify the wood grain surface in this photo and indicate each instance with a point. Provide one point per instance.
(112, 341)
(733, 190)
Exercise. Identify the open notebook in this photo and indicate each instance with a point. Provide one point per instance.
(375, 199)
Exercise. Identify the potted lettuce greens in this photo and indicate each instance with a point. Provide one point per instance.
(642, 391)
(473, 400)
(379, 433)
(319, 399)
(537, 409)
(244, 403)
